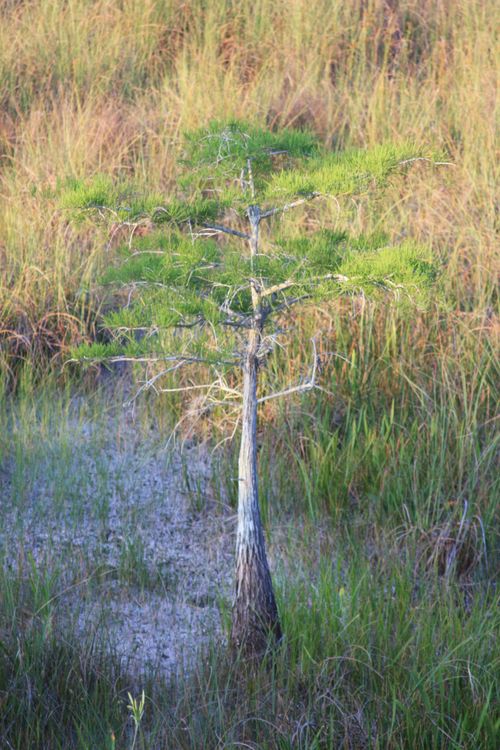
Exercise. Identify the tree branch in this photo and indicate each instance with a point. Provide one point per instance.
(251, 182)
(217, 384)
(226, 230)
(288, 206)
(157, 358)
(430, 161)
(267, 311)
(315, 279)
(307, 386)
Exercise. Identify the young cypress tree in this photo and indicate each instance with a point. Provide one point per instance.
(227, 296)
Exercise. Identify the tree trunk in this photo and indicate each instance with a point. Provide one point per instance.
(255, 616)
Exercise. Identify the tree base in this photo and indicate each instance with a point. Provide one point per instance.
(253, 640)
(255, 627)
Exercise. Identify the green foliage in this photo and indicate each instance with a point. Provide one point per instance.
(236, 142)
(199, 283)
(177, 211)
(82, 194)
(342, 173)
(286, 164)
(406, 269)
(177, 279)
(156, 348)
(220, 151)
(172, 259)
(99, 351)
(101, 192)
(125, 202)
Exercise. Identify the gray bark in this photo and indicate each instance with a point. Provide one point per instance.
(255, 615)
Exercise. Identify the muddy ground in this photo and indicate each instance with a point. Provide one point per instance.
(141, 547)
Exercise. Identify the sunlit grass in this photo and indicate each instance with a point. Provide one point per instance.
(107, 89)
(388, 602)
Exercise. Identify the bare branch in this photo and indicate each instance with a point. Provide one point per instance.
(226, 230)
(228, 438)
(243, 322)
(120, 225)
(250, 178)
(307, 386)
(288, 206)
(218, 384)
(151, 382)
(157, 358)
(296, 389)
(147, 252)
(247, 323)
(180, 389)
(313, 280)
(430, 161)
(290, 302)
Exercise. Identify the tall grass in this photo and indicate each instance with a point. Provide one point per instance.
(107, 87)
(381, 517)
(373, 658)
(410, 422)
(389, 603)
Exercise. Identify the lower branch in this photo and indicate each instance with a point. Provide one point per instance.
(302, 387)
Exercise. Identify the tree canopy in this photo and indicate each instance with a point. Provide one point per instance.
(182, 276)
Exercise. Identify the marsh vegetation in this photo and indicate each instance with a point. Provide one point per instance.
(379, 495)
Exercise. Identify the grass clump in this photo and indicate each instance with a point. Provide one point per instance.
(56, 692)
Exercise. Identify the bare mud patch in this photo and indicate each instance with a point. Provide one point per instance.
(144, 561)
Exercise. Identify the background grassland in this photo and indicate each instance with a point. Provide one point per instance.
(392, 612)
(107, 87)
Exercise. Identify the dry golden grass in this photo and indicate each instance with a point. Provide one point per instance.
(101, 86)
